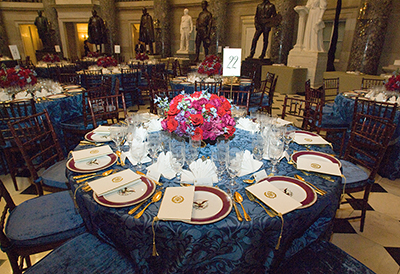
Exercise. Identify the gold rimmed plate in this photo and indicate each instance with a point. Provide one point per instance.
(92, 165)
(96, 137)
(317, 156)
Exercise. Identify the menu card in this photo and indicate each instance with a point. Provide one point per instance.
(273, 197)
(312, 164)
(91, 153)
(306, 139)
(114, 181)
(177, 204)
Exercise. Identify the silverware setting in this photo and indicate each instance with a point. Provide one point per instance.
(317, 190)
(239, 200)
(104, 174)
(269, 211)
(238, 215)
(156, 197)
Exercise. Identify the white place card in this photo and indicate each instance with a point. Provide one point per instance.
(114, 181)
(91, 153)
(311, 164)
(259, 175)
(273, 197)
(305, 139)
(177, 204)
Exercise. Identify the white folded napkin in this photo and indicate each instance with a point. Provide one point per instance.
(398, 100)
(23, 95)
(42, 93)
(306, 139)
(282, 122)
(201, 173)
(141, 134)
(4, 96)
(380, 98)
(91, 153)
(392, 99)
(106, 71)
(249, 164)
(154, 125)
(163, 165)
(247, 124)
(138, 146)
(311, 164)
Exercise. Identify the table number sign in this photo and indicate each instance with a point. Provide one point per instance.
(117, 49)
(57, 48)
(232, 62)
(14, 52)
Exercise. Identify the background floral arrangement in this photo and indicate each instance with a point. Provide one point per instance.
(50, 58)
(141, 56)
(107, 62)
(211, 65)
(200, 115)
(17, 77)
(393, 83)
(93, 54)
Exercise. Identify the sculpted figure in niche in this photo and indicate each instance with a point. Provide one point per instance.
(186, 29)
(265, 18)
(310, 38)
(146, 30)
(203, 28)
(43, 28)
(96, 30)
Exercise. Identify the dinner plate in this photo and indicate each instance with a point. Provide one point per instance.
(77, 90)
(133, 193)
(185, 83)
(306, 133)
(93, 165)
(210, 204)
(294, 188)
(318, 156)
(350, 94)
(56, 96)
(71, 87)
(95, 137)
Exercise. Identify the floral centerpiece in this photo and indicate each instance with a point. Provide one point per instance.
(50, 58)
(211, 65)
(141, 56)
(393, 83)
(199, 116)
(17, 77)
(93, 54)
(107, 62)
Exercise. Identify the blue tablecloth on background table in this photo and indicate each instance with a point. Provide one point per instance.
(390, 166)
(227, 246)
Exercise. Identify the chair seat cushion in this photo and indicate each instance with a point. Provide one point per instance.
(332, 121)
(55, 176)
(44, 219)
(84, 254)
(323, 258)
(76, 123)
(355, 176)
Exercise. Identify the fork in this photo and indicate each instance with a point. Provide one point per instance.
(318, 190)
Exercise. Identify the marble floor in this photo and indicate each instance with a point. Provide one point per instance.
(378, 246)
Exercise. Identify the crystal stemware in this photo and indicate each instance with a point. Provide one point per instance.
(138, 152)
(275, 151)
(118, 135)
(177, 147)
(234, 164)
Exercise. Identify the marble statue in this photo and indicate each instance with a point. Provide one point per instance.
(310, 28)
(263, 21)
(186, 29)
(146, 30)
(43, 27)
(96, 30)
(203, 28)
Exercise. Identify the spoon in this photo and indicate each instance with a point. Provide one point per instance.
(156, 197)
(105, 173)
(238, 215)
(239, 199)
(249, 181)
(120, 157)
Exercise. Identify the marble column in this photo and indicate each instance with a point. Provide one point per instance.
(282, 37)
(162, 12)
(109, 16)
(4, 50)
(52, 16)
(369, 36)
(218, 9)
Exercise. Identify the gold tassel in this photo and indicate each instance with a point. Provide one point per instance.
(344, 188)
(280, 235)
(155, 253)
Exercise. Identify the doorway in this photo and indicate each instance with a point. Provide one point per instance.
(30, 40)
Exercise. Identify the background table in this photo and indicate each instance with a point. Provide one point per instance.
(227, 246)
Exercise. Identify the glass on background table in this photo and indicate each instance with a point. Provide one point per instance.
(222, 245)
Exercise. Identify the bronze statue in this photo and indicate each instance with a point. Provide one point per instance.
(96, 30)
(264, 19)
(43, 28)
(203, 28)
(146, 30)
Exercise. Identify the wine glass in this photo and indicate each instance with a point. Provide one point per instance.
(177, 159)
(288, 137)
(234, 164)
(118, 135)
(192, 152)
(138, 152)
(154, 145)
(275, 151)
(258, 147)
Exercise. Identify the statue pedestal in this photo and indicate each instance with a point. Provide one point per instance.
(314, 61)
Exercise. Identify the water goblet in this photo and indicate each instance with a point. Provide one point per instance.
(154, 145)
(234, 164)
(177, 160)
(138, 152)
(118, 135)
(275, 151)
(192, 152)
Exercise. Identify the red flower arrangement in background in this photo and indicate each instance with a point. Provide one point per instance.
(393, 83)
(200, 116)
(141, 56)
(107, 62)
(50, 58)
(211, 65)
(93, 54)
(17, 77)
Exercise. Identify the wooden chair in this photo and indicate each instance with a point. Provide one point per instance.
(267, 96)
(40, 149)
(368, 143)
(305, 112)
(130, 84)
(211, 87)
(68, 78)
(159, 88)
(331, 88)
(238, 97)
(10, 112)
(106, 110)
(367, 83)
(92, 78)
(36, 225)
(314, 95)
(383, 110)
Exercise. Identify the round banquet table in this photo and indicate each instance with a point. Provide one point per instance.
(390, 166)
(225, 246)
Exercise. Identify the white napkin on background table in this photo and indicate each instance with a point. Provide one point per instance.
(247, 124)
(249, 164)
(154, 125)
(4, 96)
(200, 169)
(138, 145)
(163, 165)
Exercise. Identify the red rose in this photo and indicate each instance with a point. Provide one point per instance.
(226, 105)
(221, 112)
(198, 134)
(173, 110)
(214, 97)
(230, 132)
(208, 106)
(172, 124)
(196, 94)
(197, 119)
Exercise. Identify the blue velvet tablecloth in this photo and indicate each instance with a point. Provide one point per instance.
(227, 246)
(390, 166)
